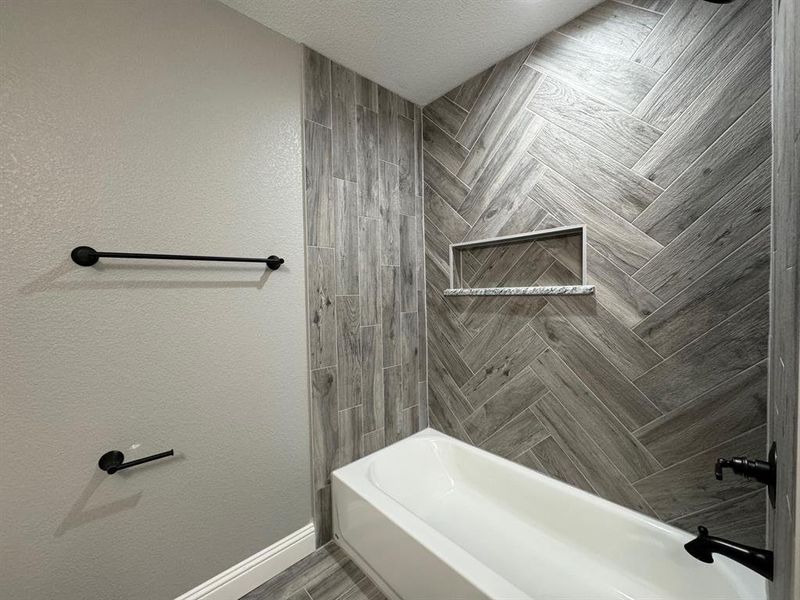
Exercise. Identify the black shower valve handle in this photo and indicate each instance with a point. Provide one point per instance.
(757, 470)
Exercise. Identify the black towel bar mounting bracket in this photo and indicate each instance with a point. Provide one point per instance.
(114, 460)
(86, 256)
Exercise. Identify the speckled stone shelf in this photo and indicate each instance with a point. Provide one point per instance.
(536, 290)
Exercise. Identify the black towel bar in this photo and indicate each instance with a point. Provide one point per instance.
(86, 257)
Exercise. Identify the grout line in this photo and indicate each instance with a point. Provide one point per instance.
(702, 510)
(643, 7)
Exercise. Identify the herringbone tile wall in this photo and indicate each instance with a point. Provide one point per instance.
(648, 121)
(364, 272)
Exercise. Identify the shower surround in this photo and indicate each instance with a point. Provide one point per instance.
(651, 125)
(365, 270)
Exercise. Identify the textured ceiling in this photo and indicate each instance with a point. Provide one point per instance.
(417, 48)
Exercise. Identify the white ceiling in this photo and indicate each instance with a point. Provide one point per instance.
(417, 48)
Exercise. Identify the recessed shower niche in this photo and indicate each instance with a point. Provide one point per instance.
(538, 263)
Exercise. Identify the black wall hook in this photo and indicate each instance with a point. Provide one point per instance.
(86, 256)
(114, 460)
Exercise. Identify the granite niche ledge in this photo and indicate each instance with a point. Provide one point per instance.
(536, 290)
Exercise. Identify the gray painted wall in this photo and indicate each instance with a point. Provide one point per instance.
(651, 126)
(149, 126)
(364, 236)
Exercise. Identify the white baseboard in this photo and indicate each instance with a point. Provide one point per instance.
(257, 569)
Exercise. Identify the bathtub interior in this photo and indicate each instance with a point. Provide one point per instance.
(544, 536)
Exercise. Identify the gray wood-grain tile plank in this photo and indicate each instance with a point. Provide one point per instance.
(390, 314)
(368, 162)
(369, 270)
(392, 397)
(659, 6)
(390, 214)
(468, 92)
(442, 147)
(350, 447)
(730, 409)
(737, 217)
(321, 292)
(446, 114)
(442, 316)
(732, 346)
(609, 182)
(408, 263)
(491, 94)
(324, 424)
(343, 119)
(454, 365)
(737, 87)
(335, 582)
(320, 213)
(409, 358)
(613, 78)
(443, 182)
(422, 341)
(348, 345)
(366, 93)
(373, 441)
(690, 485)
(345, 199)
(714, 46)
(555, 462)
(741, 518)
(316, 87)
(514, 397)
(613, 26)
(627, 403)
(387, 124)
(737, 280)
(372, 378)
(449, 393)
(518, 435)
(446, 219)
(744, 146)
(674, 32)
(600, 125)
(611, 235)
(407, 165)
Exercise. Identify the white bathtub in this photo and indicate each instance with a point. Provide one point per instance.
(433, 518)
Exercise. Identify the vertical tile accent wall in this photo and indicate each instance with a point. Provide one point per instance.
(365, 271)
(650, 123)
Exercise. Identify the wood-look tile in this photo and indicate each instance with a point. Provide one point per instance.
(320, 214)
(366, 93)
(321, 289)
(442, 418)
(343, 119)
(410, 418)
(528, 217)
(317, 87)
(616, 187)
(613, 26)
(730, 409)
(308, 570)
(345, 199)
(502, 173)
(741, 518)
(422, 342)
(518, 435)
(611, 77)
(734, 282)
(405, 108)
(390, 214)
(348, 351)
(364, 589)
(714, 46)
(372, 378)
(566, 249)
(446, 114)
(453, 365)
(602, 126)
(369, 270)
(727, 97)
(611, 235)
(446, 219)
(335, 582)
(514, 397)
(467, 92)
(507, 199)
(422, 388)
(504, 366)
(690, 486)
(499, 330)
(324, 425)
(528, 459)
(627, 403)
(419, 230)
(408, 263)
(496, 86)
(738, 216)
(407, 165)
(625, 298)
(418, 179)
(390, 315)
(368, 162)
(373, 441)
(499, 124)
(409, 358)
(624, 450)
(442, 147)
(443, 182)
(674, 32)
(387, 124)
(448, 391)
(732, 346)
(498, 263)
(619, 344)
(534, 262)
(392, 397)
(442, 316)
(598, 469)
(349, 447)
(659, 6)
(555, 462)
